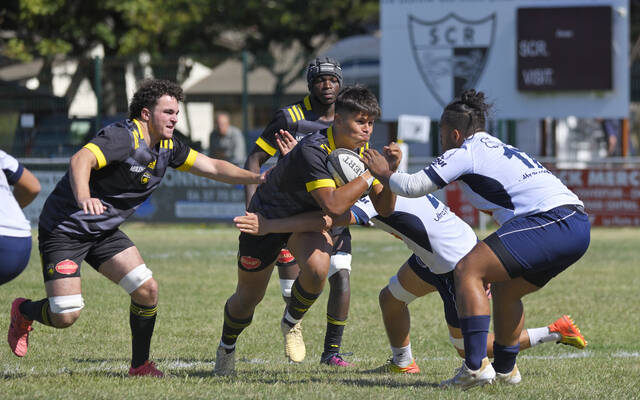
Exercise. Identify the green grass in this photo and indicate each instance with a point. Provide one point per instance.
(195, 267)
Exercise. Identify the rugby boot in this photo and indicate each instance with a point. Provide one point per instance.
(146, 369)
(510, 378)
(466, 378)
(294, 348)
(570, 332)
(19, 328)
(390, 367)
(334, 359)
(225, 362)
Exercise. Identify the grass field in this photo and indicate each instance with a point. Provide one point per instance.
(195, 267)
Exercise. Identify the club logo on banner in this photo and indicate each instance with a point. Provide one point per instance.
(451, 52)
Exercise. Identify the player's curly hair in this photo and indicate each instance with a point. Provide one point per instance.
(468, 113)
(357, 98)
(148, 93)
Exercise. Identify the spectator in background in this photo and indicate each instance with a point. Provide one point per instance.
(611, 128)
(226, 142)
(15, 230)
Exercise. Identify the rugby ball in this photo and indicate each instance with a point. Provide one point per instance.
(344, 166)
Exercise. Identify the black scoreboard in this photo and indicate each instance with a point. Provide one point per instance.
(564, 48)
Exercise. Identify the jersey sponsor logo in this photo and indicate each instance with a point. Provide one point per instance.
(451, 52)
(249, 262)
(136, 168)
(66, 267)
(285, 256)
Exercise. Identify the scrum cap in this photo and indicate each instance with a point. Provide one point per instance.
(324, 66)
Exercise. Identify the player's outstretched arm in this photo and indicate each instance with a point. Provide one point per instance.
(223, 171)
(79, 173)
(257, 224)
(26, 189)
(256, 158)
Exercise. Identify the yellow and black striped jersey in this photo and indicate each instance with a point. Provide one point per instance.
(298, 119)
(128, 172)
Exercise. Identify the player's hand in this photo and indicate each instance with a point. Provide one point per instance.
(92, 206)
(251, 223)
(285, 142)
(376, 164)
(393, 154)
(264, 175)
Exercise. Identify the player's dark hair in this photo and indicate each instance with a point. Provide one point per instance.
(357, 98)
(468, 113)
(148, 93)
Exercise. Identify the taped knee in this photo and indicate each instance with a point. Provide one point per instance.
(458, 343)
(285, 286)
(399, 292)
(135, 278)
(340, 261)
(66, 304)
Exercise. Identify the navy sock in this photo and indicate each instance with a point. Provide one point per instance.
(504, 357)
(475, 329)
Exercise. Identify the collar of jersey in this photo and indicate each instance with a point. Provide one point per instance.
(307, 103)
(332, 143)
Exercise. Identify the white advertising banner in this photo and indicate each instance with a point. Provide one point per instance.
(432, 50)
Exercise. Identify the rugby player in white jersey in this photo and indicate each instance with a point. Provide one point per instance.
(543, 231)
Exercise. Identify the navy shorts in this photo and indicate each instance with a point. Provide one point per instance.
(62, 254)
(443, 283)
(14, 256)
(538, 247)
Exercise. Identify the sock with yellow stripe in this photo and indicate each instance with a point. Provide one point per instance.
(142, 320)
(333, 336)
(300, 303)
(36, 311)
(232, 328)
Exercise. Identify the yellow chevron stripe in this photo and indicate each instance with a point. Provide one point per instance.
(293, 115)
(297, 107)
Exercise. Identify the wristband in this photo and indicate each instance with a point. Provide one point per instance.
(369, 181)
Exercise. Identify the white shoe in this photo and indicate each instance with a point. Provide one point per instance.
(225, 362)
(294, 348)
(466, 378)
(511, 378)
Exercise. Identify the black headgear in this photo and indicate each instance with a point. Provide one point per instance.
(324, 66)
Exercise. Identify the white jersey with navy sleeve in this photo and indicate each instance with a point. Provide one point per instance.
(500, 179)
(427, 227)
(12, 221)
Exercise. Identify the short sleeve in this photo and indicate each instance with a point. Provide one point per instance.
(112, 143)
(267, 140)
(11, 168)
(314, 171)
(450, 166)
(182, 156)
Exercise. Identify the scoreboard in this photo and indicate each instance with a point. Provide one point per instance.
(564, 49)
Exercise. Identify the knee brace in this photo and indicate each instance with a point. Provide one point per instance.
(340, 260)
(66, 304)
(135, 278)
(400, 293)
(458, 343)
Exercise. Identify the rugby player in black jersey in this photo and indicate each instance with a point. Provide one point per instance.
(300, 182)
(313, 113)
(107, 180)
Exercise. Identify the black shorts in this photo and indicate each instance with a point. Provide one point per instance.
(341, 242)
(62, 254)
(256, 253)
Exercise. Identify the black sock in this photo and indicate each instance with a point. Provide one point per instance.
(333, 337)
(300, 302)
(142, 320)
(36, 311)
(232, 328)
